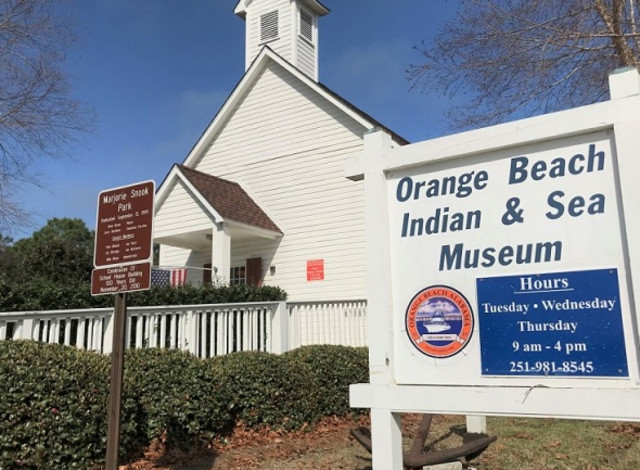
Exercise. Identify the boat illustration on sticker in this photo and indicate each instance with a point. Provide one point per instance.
(439, 321)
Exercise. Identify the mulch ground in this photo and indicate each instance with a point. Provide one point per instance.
(250, 449)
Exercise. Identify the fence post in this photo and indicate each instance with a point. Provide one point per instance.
(191, 332)
(107, 340)
(280, 329)
(27, 329)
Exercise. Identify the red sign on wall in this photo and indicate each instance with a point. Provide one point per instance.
(315, 270)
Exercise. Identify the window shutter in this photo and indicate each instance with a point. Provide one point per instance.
(269, 26)
(306, 25)
(254, 271)
(206, 274)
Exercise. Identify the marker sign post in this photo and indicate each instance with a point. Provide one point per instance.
(122, 257)
(502, 270)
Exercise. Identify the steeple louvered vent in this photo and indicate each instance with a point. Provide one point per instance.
(306, 25)
(269, 26)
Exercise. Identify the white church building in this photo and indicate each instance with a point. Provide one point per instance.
(262, 196)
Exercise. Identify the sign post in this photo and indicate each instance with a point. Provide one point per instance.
(117, 375)
(501, 274)
(122, 257)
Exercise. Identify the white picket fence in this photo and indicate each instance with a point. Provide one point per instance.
(204, 330)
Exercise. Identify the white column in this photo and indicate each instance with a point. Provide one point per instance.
(221, 252)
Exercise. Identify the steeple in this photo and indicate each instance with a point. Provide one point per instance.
(289, 27)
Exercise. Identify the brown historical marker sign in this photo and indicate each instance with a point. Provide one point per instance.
(117, 279)
(124, 226)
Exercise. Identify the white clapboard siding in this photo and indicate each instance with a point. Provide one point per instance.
(180, 213)
(306, 56)
(175, 257)
(287, 146)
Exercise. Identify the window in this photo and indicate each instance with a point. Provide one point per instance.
(306, 25)
(237, 275)
(269, 26)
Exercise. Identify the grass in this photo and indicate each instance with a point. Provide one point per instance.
(523, 444)
(561, 444)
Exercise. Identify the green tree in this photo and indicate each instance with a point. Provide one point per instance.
(517, 58)
(60, 252)
(49, 270)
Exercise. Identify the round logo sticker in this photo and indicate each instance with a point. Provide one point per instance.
(439, 321)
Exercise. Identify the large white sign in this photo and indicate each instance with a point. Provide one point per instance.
(544, 219)
(502, 268)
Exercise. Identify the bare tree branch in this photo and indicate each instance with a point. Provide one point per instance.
(516, 58)
(38, 117)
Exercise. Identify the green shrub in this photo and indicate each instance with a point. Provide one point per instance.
(42, 294)
(208, 294)
(175, 390)
(333, 369)
(54, 399)
(53, 407)
(265, 389)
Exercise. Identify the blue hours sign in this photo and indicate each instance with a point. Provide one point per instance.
(555, 324)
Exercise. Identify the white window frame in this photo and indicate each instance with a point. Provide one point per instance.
(237, 275)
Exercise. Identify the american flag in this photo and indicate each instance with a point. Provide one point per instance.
(168, 277)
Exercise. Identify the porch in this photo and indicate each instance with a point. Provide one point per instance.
(214, 227)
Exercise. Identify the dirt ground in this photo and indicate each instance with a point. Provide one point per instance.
(328, 445)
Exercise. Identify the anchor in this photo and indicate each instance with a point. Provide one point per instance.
(473, 444)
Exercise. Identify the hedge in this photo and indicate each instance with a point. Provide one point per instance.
(265, 389)
(53, 398)
(53, 408)
(175, 392)
(39, 294)
(333, 369)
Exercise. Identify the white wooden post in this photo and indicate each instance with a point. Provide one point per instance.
(27, 329)
(221, 251)
(477, 424)
(386, 437)
(108, 333)
(163, 331)
(280, 329)
(191, 332)
(54, 328)
(625, 83)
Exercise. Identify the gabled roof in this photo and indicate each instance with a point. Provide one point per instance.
(229, 199)
(225, 200)
(266, 56)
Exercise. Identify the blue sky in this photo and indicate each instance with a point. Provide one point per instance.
(157, 71)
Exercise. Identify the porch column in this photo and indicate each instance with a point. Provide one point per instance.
(221, 252)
